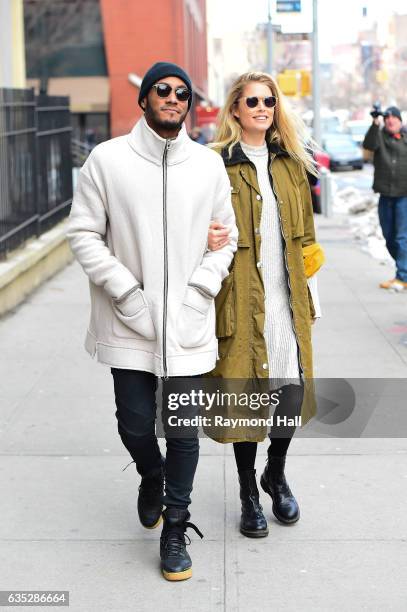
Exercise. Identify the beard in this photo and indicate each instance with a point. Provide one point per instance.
(167, 124)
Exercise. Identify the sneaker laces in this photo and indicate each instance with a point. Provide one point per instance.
(194, 527)
(125, 468)
(176, 539)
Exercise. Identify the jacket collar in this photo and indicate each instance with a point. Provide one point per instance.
(239, 157)
(401, 135)
(147, 143)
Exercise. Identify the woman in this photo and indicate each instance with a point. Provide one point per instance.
(266, 306)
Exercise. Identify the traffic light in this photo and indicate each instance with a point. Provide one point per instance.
(306, 83)
(295, 82)
(288, 82)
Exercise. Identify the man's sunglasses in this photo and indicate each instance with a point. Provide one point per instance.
(163, 91)
(253, 101)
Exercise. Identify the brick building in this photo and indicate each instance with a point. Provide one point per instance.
(97, 51)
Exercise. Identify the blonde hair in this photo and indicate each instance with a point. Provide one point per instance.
(287, 129)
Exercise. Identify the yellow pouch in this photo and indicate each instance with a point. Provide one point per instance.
(314, 257)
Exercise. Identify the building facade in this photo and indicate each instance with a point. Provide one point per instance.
(136, 37)
(12, 60)
(97, 51)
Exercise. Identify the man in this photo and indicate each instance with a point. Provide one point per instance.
(389, 145)
(139, 226)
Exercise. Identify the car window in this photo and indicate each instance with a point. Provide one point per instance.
(339, 144)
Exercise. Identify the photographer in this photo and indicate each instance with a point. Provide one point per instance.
(389, 145)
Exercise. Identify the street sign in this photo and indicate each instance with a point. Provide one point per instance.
(292, 36)
(288, 6)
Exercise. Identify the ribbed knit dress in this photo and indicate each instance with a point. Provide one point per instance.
(279, 333)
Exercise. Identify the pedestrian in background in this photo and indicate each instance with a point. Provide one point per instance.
(197, 135)
(266, 306)
(138, 226)
(389, 146)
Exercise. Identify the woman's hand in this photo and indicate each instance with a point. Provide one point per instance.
(218, 236)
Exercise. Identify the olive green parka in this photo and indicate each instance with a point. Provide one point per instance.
(240, 305)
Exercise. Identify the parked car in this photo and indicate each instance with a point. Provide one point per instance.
(343, 151)
(322, 160)
(357, 129)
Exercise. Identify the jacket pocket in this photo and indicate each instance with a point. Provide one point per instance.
(193, 325)
(132, 316)
(297, 215)
(225, 308)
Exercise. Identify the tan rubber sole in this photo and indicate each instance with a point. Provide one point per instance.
(176, 576)
(391, 284)
(387, 284)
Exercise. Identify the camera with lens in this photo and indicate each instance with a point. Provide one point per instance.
(377, 110)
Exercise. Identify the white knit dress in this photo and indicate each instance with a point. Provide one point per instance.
(279, 333)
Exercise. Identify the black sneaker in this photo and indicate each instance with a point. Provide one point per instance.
(150, 499)
(176, 563)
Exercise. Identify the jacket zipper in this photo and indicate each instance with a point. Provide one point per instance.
(164, 330)
(286, 267)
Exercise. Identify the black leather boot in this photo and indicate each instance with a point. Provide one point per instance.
(273, 482)
(150, 498)
(176, 563)
(253, 523)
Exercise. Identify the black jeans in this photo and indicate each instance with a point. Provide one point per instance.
(135, 395)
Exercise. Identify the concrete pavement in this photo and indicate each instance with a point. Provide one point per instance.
(69, 516)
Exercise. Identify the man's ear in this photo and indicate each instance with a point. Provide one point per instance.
(143, 104)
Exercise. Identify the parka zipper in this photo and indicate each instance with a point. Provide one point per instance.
(164, 329)
(286, 267)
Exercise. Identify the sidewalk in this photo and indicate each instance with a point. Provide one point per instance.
(69, 518)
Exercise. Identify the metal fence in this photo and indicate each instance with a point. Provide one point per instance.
(35, 164)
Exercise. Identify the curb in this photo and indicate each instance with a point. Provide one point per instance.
(28, 267)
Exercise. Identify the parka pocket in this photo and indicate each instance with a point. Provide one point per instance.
(297, 214)
(225, 308)
(132, 318)
(194, 320)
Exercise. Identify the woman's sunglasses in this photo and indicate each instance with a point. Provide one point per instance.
(253, 101)
(163, 91)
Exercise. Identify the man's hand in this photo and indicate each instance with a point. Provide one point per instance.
(218, 236)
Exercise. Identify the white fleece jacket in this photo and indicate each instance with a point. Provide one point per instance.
(138, 226)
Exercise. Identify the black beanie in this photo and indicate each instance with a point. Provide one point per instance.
(159, 71)
(393, 110)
